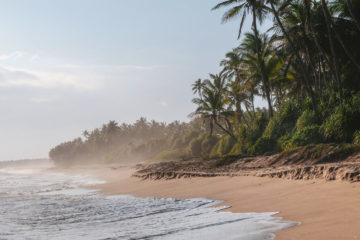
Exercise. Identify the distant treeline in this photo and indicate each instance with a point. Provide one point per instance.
(143, 140)
(306, 67)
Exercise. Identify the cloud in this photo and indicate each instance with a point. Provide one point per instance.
(18, 77)
(164, 104)
(24, 70)
(13, 55)
(42, 99)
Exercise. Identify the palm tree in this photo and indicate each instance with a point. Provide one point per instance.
(258, 10)
(251, 59)
(238, 96)
(197, 87)
(306, 75)
(213, 106)
(331, 23)
(351, 8)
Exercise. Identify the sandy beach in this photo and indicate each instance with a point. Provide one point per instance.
(326, 209)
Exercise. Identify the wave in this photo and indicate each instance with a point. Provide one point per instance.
(56, 206)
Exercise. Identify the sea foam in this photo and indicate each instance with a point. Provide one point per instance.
(38, 205)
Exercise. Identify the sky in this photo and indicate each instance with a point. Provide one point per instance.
(71, 65)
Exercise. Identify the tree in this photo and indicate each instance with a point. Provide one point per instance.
(258, 10)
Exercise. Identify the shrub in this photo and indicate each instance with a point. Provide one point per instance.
(307, 118)
(207, 145)
(172, 155)
(183, 140)
(305, 136)
(237, 149)
(195, 146)
(223, 147)
(264, 145)
(342, 124)
(283, 121)
(357, 137)
(256, 129)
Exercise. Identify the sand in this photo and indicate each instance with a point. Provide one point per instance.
(326, 210)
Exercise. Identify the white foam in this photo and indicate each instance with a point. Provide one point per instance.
(45, 206)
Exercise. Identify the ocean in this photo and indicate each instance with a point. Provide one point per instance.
(38, 205)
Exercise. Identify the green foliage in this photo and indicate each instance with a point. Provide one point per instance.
(172, 155)
(207, 145)
(341, 125)
(196, 144)
(264, 146)
(181, 141)
(357, 137)
(223, 147)
(256, 128)
(339, 152)
(237, 149)
(305, 136)
(283, 121)
(307, 118)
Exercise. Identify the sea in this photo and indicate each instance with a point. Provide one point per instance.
(41, 205)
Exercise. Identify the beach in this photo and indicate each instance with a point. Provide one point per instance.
(325, 209)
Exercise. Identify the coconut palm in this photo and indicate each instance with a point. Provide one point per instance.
(197, 87)
(213, 106)
(258, 9)
(251, 59)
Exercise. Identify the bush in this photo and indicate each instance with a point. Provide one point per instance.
(183, 140)
(172, 155)
(343, 122)
(255, 130)
(223, 147)
(306, 119)
(283, 121)
(264, 145)
(237, 149)
(195, 146)
(357, 137)
(305, 136)
(207, 145)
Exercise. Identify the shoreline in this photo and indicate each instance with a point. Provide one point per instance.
(326, 210)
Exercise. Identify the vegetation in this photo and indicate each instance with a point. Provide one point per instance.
(306, 67)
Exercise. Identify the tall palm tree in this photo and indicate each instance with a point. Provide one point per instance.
(258, 9)
(276, 11)
(331, 23)
(260, 77)
(351, 7)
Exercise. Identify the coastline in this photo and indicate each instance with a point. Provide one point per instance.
(325, 209)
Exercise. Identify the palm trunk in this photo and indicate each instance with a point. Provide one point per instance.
(337, 35)
(353, 15)
(265, 80)
(211, 128)
(240, 113)
(306, 74)
(334, 57)
(224, 129)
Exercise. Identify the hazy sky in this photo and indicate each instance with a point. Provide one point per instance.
(71, 65)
